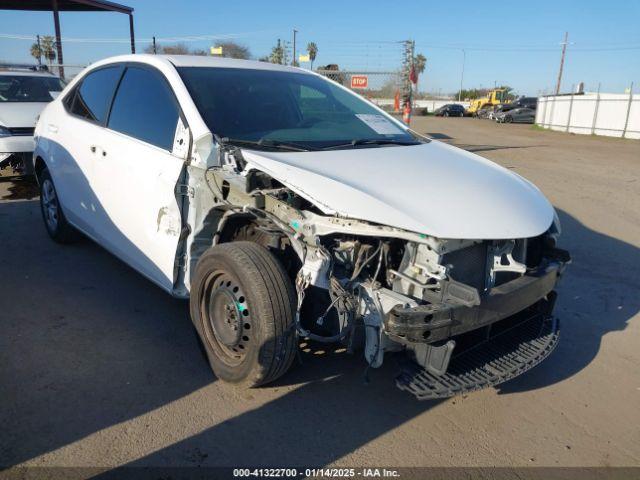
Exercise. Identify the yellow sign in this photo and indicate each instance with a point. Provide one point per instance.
(304, 58)
(216, 50)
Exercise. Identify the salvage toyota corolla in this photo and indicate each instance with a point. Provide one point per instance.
(287, 207)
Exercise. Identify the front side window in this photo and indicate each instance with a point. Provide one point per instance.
(275, 106)
(145, 108)
(25, 88)
(92, 97)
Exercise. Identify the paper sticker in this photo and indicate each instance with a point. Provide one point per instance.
(379, 124)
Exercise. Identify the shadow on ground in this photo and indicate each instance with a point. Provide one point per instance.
(20, 187)
(88, 343)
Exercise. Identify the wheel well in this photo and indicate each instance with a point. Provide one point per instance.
(39, 166)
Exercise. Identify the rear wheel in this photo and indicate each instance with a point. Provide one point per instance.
(58, 228)
(243, 306)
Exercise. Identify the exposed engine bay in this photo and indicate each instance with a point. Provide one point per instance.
(380, 288)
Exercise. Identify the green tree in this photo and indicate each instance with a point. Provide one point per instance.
(36, 52)
(46, 49)
(312, 50)
(277, 54)
(419, 63)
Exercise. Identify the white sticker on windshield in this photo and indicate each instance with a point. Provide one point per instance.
(379, 124)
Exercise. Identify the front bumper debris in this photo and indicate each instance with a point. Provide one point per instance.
(520, 344)
(436, 322)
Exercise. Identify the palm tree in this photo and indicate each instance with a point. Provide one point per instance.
(312, 50)
(419, 63)
(36, 52)
(48, 48)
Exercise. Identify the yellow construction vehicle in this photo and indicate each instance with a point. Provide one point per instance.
(494, 97)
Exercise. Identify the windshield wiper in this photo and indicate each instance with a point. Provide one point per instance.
(379, 141)
(291, 146)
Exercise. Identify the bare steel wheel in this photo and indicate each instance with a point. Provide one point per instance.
(242, 305)
(226, 309)
(55, 222)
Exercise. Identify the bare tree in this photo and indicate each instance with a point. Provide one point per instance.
(234, 50)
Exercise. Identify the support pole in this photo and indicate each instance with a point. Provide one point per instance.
(133, 38)
(564, 50)
(154, 46)
(39, 50)
(570, 110)
(56, 22)
(294, 62)
(626, 121)
(464, 57)
(595, 112)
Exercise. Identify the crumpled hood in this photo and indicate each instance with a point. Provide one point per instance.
(432, 188)
(20, 114)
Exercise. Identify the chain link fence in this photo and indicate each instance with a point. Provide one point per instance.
(379, 87)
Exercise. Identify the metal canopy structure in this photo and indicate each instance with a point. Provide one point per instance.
(57, 6)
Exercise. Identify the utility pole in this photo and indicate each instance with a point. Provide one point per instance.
(154, 46)
(464, 57)
(564, 49)
(39, 50)
(293, 61)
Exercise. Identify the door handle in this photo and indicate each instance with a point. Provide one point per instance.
(53, 128)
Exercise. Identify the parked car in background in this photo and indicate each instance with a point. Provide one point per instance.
(284, 206)
(23, 95)
(485, 111)
(517, 115)
(450, 110)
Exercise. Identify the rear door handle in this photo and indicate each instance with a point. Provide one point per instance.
(53, 128)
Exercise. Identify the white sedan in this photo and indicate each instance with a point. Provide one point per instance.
(285, 206)
(23, 95)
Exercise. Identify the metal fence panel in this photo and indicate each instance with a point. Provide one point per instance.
(616, 115)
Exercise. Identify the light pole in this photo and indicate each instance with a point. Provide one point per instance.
(464, 57)
(293, 61)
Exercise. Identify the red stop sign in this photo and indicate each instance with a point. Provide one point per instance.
(359, 81)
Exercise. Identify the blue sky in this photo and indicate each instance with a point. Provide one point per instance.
(515, 43)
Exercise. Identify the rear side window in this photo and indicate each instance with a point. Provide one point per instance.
(145, 108)
(94, 94)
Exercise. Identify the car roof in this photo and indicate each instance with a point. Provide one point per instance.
(26, 73)
(201, 61)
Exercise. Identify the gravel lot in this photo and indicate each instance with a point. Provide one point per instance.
(98, 367)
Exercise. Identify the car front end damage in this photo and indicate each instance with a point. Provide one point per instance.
(459, 314)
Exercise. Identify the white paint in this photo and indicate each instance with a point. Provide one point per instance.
(591, 113)
(435, 189)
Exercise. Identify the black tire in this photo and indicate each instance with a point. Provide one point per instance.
(56, 224)
(508, 119)
(243, 307)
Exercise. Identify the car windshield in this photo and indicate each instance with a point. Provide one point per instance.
(275, 107)
(25, 88)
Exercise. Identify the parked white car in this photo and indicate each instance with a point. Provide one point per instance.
(23, 95)
(285, 206)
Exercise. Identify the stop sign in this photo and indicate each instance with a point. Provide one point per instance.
(359, 81)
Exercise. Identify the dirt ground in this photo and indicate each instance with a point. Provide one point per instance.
(98, 367)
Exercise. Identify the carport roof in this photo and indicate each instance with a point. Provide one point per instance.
(65, 6)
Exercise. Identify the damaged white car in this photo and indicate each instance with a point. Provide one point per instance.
(287, 207)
